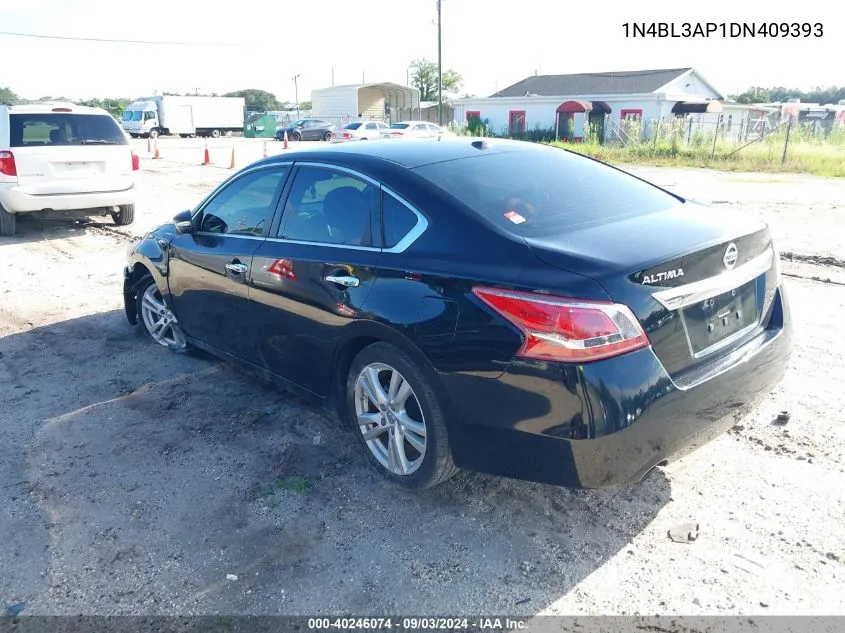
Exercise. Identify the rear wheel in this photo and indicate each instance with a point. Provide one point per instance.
(215, 133)
(7, 222)
(156, 318)
(126, 215)
(398, 417)
(327, 136)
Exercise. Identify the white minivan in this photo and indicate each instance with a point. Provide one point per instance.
(61, 160)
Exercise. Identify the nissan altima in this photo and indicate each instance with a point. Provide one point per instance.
(491, 305)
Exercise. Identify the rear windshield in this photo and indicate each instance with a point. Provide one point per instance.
(47, 129)
(399, 126)
(546, 190)
(353, 126)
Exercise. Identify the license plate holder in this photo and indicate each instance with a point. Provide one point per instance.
(715, 321)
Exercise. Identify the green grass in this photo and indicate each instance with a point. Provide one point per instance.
(804, 155)
(295, 484)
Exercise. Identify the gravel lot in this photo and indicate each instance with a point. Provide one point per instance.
(134, 480)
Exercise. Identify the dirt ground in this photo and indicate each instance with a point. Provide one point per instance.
(134, 480)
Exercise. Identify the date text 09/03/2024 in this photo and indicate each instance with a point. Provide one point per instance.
(723, 29)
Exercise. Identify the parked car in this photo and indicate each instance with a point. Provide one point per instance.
(415, 129)
(306, 130)
(463, 304)
(61, 160)
(360, 131)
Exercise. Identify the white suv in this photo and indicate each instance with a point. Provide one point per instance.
(64, 161)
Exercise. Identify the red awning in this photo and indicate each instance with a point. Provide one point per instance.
(575, 106)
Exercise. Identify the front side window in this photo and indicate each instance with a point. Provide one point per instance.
(329, 207)
(244, 206)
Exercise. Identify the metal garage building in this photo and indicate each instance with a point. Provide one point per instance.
(379, 102)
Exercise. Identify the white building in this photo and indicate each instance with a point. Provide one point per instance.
(380, 101)
(562, 103)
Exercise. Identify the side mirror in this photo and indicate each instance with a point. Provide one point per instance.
(184, 222)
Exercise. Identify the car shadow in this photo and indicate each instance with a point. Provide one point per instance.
(29, 229)
(148, 480)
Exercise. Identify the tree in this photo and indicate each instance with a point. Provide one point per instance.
(7, 96)
(424, 79)
(305, 105)
(755, 94)
(257, 100)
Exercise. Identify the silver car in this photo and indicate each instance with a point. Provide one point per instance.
(360, 131)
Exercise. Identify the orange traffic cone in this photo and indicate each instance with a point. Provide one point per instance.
(156, 156)
(232, 162)
(285, 146)
(206, 159)
(265, 149)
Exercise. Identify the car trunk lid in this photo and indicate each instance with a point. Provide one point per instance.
(699, 281)
(54, 170)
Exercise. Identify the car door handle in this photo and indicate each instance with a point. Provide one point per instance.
(238, 269)
(343, 280)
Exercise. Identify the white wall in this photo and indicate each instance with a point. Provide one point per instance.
(541, 111)
(692, 85)
(335, 102)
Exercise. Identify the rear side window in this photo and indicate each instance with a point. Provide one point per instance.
(352, 126)
(545, 190)
(397, 219)
(52, 128)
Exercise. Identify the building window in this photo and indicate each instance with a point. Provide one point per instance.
(628, 115)
(516, 122)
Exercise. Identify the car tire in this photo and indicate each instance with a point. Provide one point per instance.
(125, 216)
(7, 222)
(327, 137)
(419, 417)
(171, 336)
(295, 136)
(215, 133)
(153, 134)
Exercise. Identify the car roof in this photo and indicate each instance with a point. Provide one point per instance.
(49, 107)
(408, 153)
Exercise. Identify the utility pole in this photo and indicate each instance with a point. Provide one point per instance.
(296, 93)
(439, 69)
(332, 75)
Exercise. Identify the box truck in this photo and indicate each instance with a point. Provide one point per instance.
(185, 116)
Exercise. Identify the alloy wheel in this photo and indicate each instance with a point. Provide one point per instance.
(160, 322)
(390, 418)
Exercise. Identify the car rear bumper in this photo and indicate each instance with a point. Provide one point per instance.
(16, 201)
(610, 422)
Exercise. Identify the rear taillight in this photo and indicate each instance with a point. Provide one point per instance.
(347, 135)
(136, 162)
(7, 164)
(566, 330)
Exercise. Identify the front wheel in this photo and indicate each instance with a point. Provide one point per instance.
(215, 133)
(396, 413)
(156, 318)
(153, 134)
(295, 136)
(125, 215)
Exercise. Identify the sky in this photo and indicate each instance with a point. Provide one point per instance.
(491, 43)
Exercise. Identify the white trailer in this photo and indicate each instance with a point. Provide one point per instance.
(185, 116)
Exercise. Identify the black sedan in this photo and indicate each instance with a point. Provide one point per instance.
(492, 305)
(306, 130)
